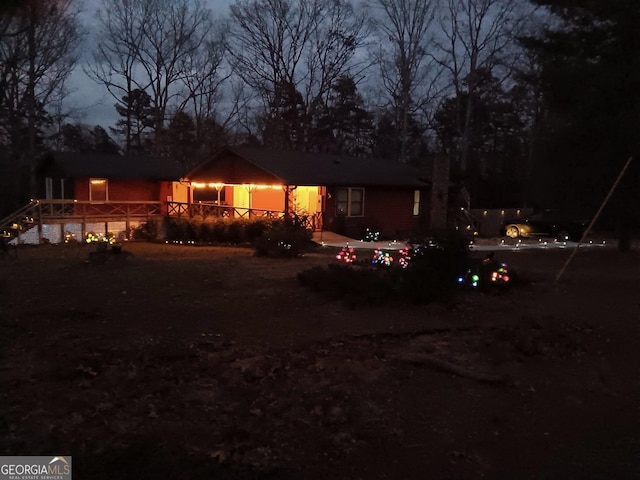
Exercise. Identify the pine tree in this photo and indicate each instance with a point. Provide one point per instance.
(345, 121)
(138, 119)
(590, 72)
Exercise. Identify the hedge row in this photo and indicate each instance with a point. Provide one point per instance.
(281, 236)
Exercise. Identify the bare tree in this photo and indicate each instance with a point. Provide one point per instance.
(478, 36)
(338, 31)
(37, 54)
(405, 59)
(293, 46)
(269, 40)
(147, 45)
(116, 54)
(205, 79)
(177, 29)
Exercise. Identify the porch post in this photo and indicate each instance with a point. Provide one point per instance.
(40, 220)
(287, 192)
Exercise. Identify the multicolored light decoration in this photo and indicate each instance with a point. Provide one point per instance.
(346, 255)
(473, 278)
(406, 254)
(500, 275)
(381, 258)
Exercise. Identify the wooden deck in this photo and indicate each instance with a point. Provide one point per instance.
(44, 218)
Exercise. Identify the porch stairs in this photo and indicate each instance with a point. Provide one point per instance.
(22, 220)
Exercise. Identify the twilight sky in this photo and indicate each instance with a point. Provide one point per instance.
(90, 102)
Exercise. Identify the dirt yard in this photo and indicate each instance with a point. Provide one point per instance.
(176, 362)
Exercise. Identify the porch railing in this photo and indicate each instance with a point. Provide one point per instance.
(73, 209)
(205, 209)
(189, 210)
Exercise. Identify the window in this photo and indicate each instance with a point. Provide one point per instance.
(98, 190)
(416, 203)
(350, 202)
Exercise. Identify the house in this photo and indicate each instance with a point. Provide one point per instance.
(342, 194)
(103, 178)
(84, 193)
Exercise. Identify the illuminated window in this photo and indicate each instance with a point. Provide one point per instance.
(350, 202)
(416, 203)
(98, 190)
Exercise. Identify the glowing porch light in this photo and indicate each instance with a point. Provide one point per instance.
(248, 186)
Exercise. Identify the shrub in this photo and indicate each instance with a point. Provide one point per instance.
(283, 239)
(235, 231)
(434, 268)
(256, 228)
(215, 229)
(218, 231)
(145, 231)
(430, 275)
(180, 230)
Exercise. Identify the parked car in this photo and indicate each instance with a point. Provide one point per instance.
(547, 223)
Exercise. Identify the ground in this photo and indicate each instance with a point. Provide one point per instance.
(170, 361)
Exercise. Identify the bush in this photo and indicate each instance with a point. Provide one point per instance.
(283, 239)
(235, 231)
(181, 230)
(430, 275)
(216, 230)
(145, 231)
(434, 268)
(256, 228)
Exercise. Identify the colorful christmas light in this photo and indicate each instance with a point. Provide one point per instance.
(500, 275)
(346, 255)
(382, 258)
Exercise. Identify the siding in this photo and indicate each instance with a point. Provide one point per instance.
(389, 211)
(122, 190)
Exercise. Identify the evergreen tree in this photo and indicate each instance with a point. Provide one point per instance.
(138, 118)
(496, 139)
(387, 142)
(345, 122)
(74, 138)
(178, 141)
(590, 72)
(101, 142)
(285, 125)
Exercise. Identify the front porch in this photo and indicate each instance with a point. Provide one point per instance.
(204, 210)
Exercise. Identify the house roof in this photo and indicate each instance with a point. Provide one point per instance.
(297, 168)
(74, 165)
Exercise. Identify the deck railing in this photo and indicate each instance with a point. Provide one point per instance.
(206, 209)
(59, 211)
(74, 209)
